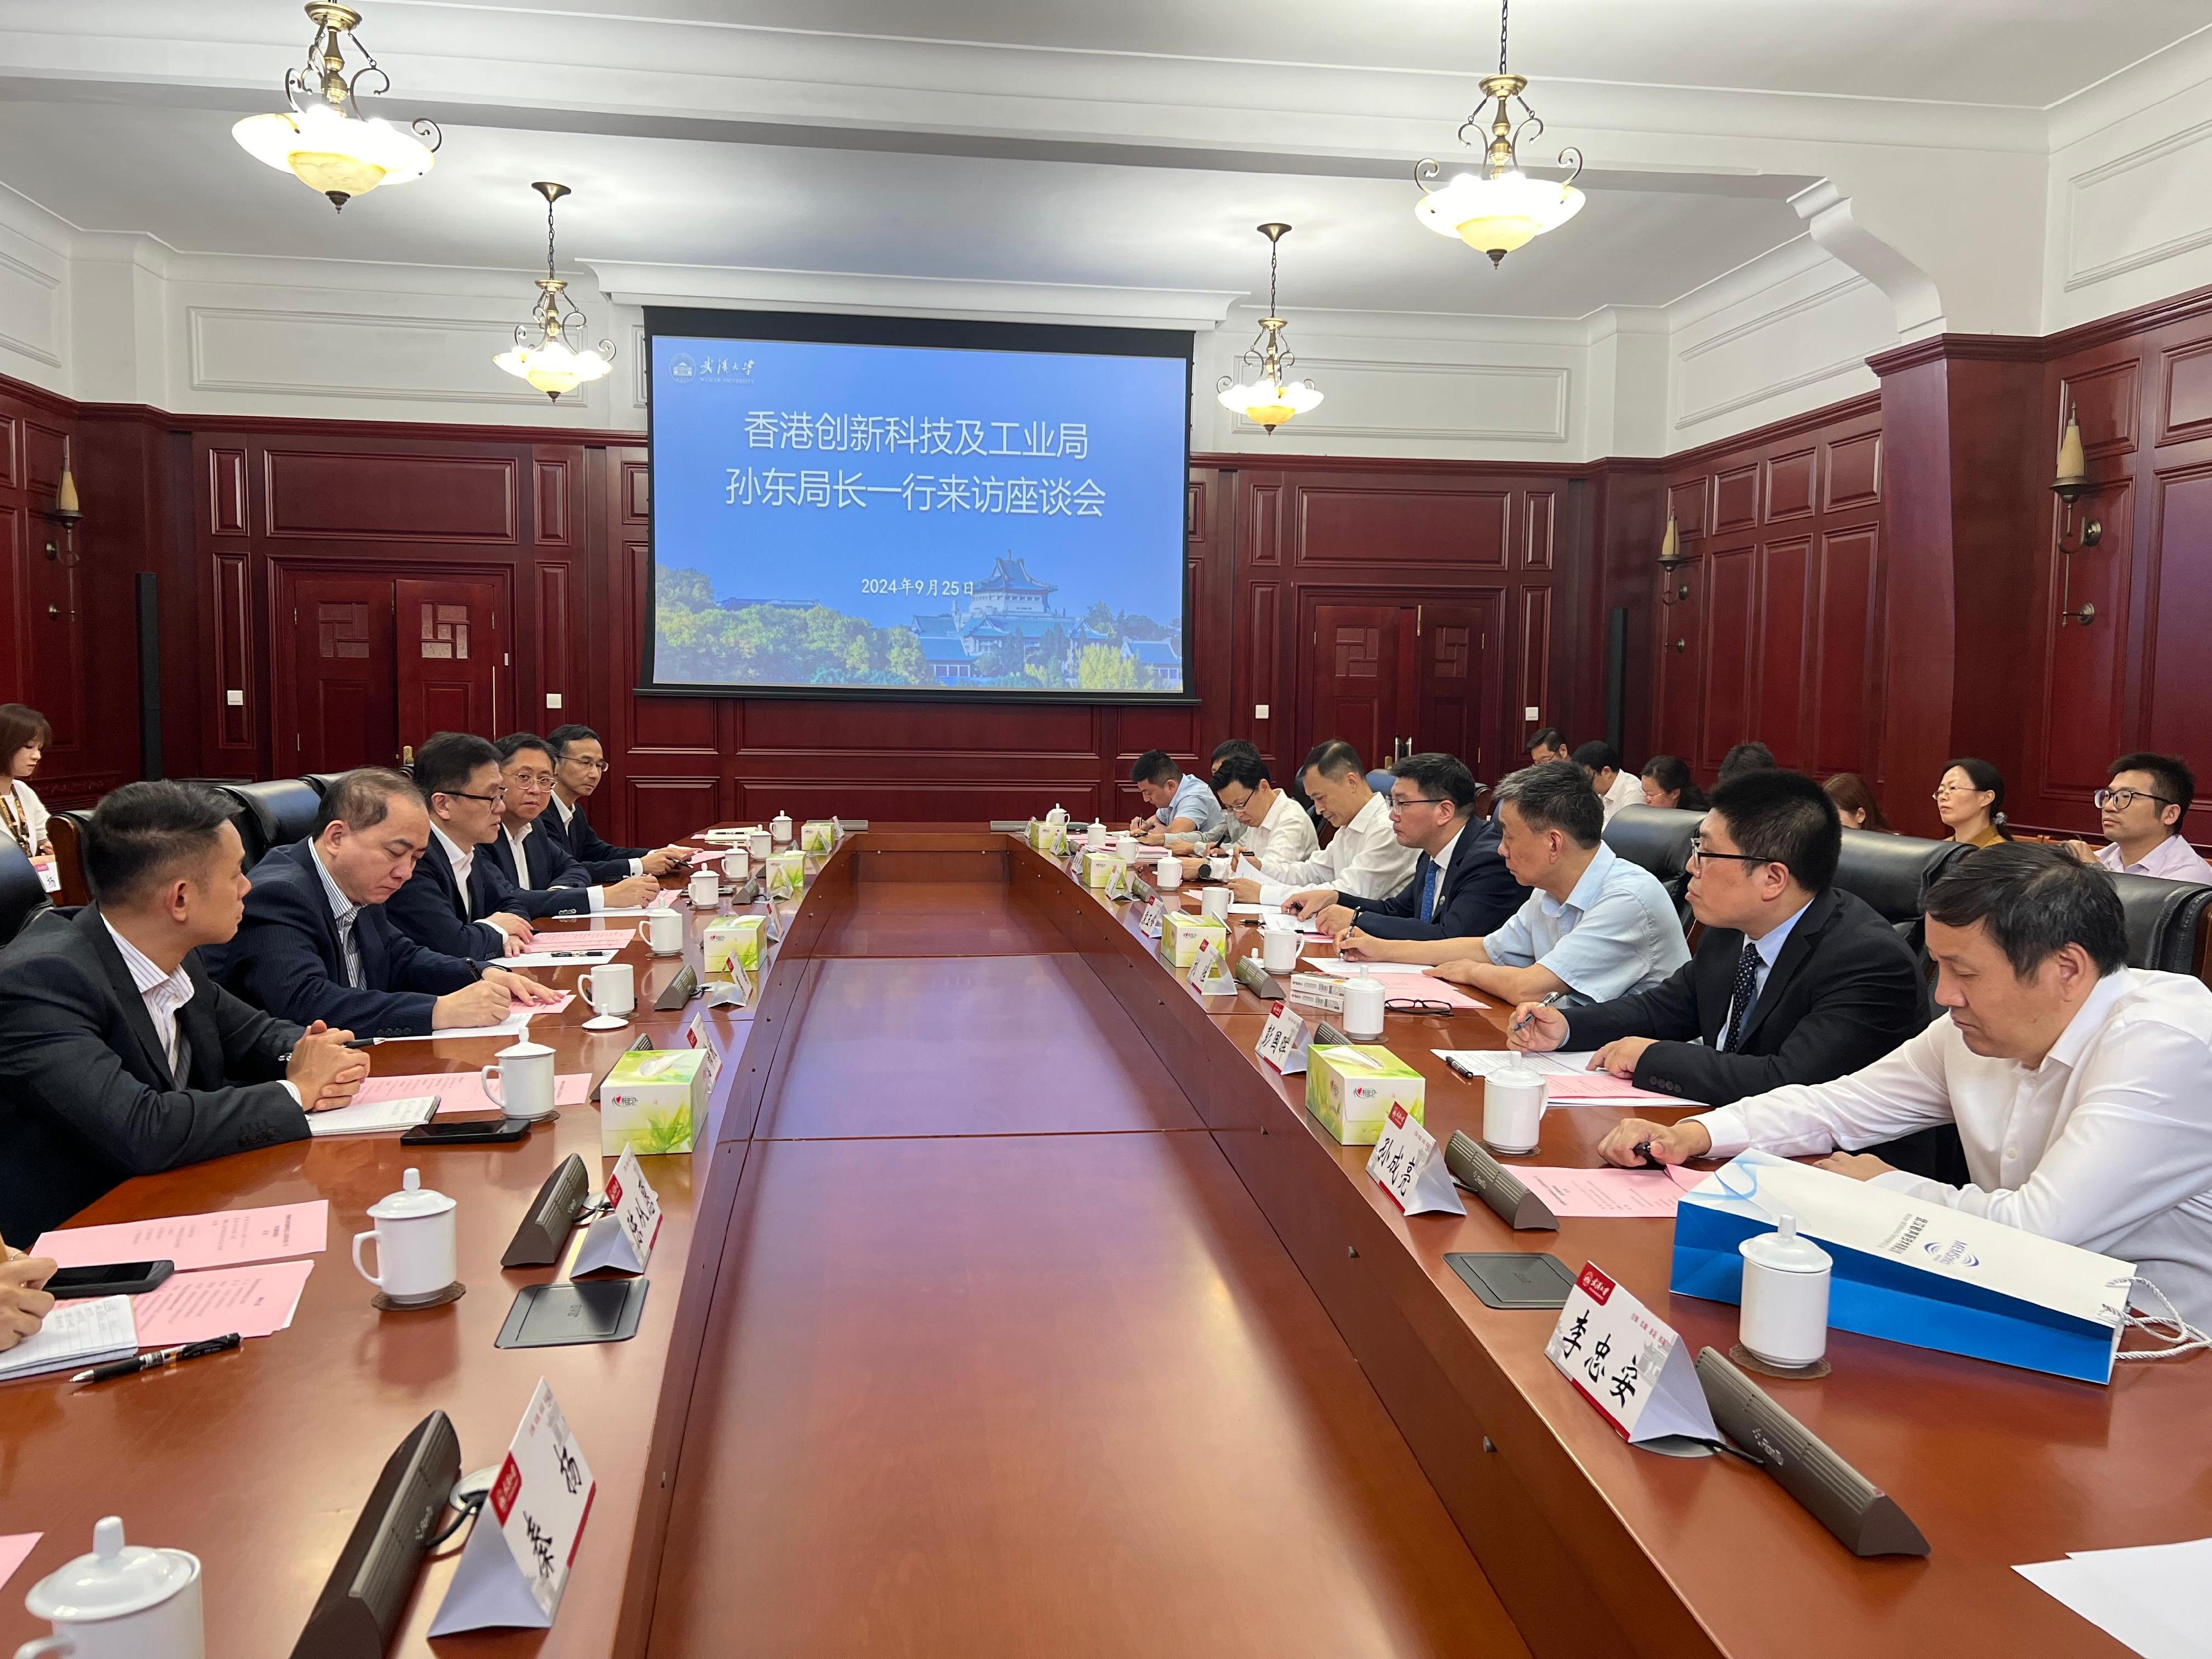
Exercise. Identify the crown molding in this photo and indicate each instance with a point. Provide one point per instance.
(1693, 460)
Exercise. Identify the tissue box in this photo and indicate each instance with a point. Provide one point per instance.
(1353, 1101)
(729, 941)
(787, 874)
(652, 1102)
(818, 835)
(1048, 838)
(1185, 930)
(1099, 868)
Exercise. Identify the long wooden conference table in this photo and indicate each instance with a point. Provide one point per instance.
(1011, 1305)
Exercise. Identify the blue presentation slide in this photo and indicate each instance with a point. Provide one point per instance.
(873, 516)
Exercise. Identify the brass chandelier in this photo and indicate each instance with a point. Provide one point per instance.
(1264, 395)
(323, 139)
(542, 354)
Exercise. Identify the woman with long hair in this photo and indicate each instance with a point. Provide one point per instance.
(1971, 802)
(1856, 805)
(1667, 782)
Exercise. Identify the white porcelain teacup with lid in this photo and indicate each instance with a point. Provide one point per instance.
(122, 1601)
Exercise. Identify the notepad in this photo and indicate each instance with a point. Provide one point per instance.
(563, 958)
(373, 1117)
(76, 1335)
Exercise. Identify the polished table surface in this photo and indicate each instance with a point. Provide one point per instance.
(1011, 1305)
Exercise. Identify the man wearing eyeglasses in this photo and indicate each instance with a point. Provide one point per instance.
(1364, 857)
(2142, 809)
(548, 880)
(1460, 884)
(578, 763)
(457, 901)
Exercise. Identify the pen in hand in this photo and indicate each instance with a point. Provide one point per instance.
(159, 1359)
(1527, 1020)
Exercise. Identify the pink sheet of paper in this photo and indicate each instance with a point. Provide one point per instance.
(587, 939)
(15, 1550)
(1608, 1192)
(221, 1238)
(255, 1300)
(1602, 1088)
(464, 1091)
(662, 900)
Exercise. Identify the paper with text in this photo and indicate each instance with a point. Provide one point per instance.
(255, 1300)
(393, 1114)
(217, 1239)
(1608, 1192)
(461, 1093)
(1628, 1362)
(75, 1334)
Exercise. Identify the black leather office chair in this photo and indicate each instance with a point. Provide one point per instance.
(320, 783)
(1893, 874)
(20, 895)
(274, 814)
(2163, 919)
(65, 830)
(1658, 839)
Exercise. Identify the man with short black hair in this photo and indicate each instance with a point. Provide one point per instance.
(580, 762)
(1546, 743)
(1364, 857)
(315, 942)
(118, 1055)
(1181, 804)
(2076, 1083)
(548, 879)
(1745, 758)
(1616, 786)
(457, 903)
(1595, 926)
(1270, 825)
(1460, 884)
(1794, 979)
(2143, 808)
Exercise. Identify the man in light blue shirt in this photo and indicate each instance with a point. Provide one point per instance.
(1181, 803)
(1596, 927)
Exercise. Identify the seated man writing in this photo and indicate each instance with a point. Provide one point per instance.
(1181, 804)
(1460, 884)
(1595, 926)
(548, 879)
(2076, 1083)
(24, 1300)
(316, 944)
(1365, 858)
(119, 1056)
(579, 764)
(1268, 822)
(1795, 980)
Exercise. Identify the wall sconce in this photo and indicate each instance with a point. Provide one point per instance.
(65, 511)
(2070, 485)
(1672, 559)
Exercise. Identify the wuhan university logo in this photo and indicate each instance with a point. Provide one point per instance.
(734, 370)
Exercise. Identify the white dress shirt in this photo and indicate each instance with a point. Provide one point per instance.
(1627, 791)
(568, 816)
(1364, 858)
(462, 863)
(344, 912)
(165, 995)
(1770, 952)
(2106, 1143)
(1287, 834)
(514, 839)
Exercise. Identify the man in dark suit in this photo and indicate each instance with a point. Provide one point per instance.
(119, 1056)
(1460, 886)
(457, 903)
(580, 762)
(1793, 980)
(548, 878)
(316, 944)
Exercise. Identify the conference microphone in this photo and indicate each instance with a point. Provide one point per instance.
(359, 1610)
(1474, 1168)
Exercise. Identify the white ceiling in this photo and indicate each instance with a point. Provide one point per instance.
(818, 136)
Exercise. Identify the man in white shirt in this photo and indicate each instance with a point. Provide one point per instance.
(1268, 822)
(2077, 1083)
(549, 880)
(1364, 857)
(1616, 786)
(1460, 884)
(2143, 808)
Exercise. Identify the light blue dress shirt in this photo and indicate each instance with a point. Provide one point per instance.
(1194, 800)
(1616, 932)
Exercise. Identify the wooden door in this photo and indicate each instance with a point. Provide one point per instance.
(1360, 685)
(1460, 682)
(336, 680)
(453, 658)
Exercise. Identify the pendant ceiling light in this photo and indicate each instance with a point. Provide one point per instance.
(1263, 395)
(1500, 208)
(548, 362)
(324, 140)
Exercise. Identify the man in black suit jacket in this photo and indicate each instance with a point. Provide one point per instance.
(119, 1056)
(1792, 980)
(315, 943)
(548, 879)
(580, 762)
(457, 903)
(1431, 808)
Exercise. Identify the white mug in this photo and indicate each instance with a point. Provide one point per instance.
(1363, 1008)
(1167, 874)
(1095, 836)
(611, 988)
(122, 1601)
(706, 891)
(662, 932)
(524, 1074)
(760, 844)
(780, 826)
(415, 1255)
(736, 864)
(1214, 901)
(1278, 950)
(1785, 1296)
(1127, 846)
(1513, 1107)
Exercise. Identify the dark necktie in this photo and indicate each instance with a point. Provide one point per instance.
(1746, 971)
(1428, 893)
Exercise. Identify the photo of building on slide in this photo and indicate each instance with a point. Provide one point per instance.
(1000, 631)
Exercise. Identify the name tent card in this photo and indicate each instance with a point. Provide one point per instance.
(1152, 918)
(1207, 975)
(512, 1573)
(1283, 1041)
(1629, 1363)
(697, 1034)
(1405, 1164)
(1117, 881)
(622, 1239)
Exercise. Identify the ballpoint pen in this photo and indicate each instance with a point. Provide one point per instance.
(1525, 1020)
(157, 1360)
